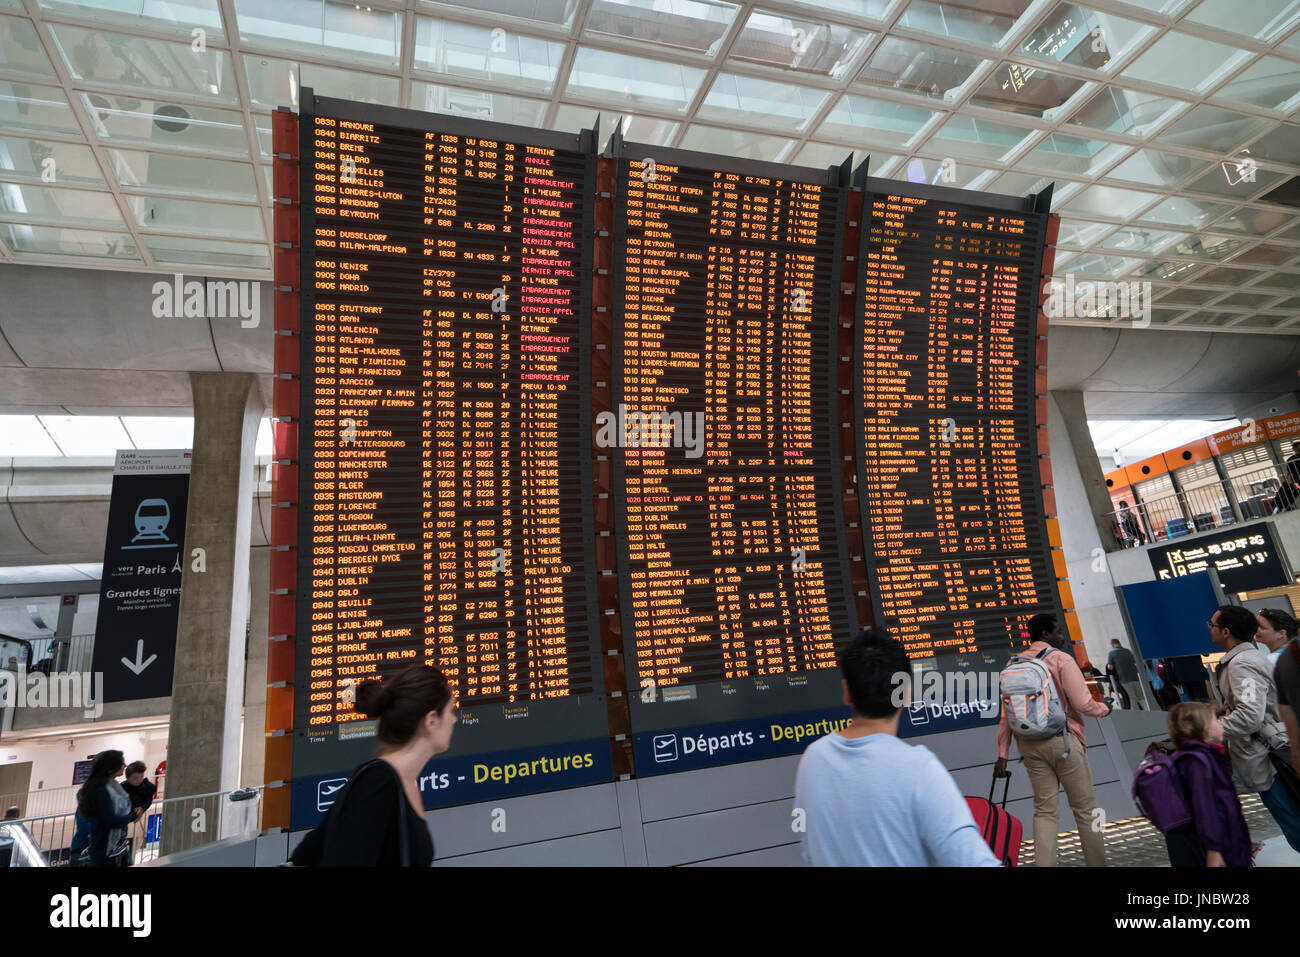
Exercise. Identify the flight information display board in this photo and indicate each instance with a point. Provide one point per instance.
(445, 512)
(948, 478)
(1247, 558)
(732, 575)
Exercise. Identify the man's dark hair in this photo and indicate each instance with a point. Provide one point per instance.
(1039, 625)
(137, 767)
(870, 665)
(1239, 622)
(1114, 642)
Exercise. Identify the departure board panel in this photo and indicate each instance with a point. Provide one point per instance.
(733, 582)
(948, 477)
(445, 513)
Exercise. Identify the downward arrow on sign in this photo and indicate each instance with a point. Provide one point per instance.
(140, 662)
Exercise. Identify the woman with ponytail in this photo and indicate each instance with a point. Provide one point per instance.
(378, 818)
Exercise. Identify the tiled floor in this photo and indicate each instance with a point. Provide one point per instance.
(1135, 843)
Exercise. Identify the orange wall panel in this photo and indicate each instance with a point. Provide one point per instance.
(1197, 451)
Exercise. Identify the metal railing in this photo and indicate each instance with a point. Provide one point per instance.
(46, 840)
(1208, 504)
(74, 656)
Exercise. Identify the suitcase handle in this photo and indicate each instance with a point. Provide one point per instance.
(1006, 788)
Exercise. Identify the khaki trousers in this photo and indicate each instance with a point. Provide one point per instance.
(1048, 773)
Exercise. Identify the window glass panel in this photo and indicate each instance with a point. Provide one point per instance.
(981, 139)
(21, 50)
(743, 99)
(633, 83)
(1270, 83)
(337, 30)
(963, 23)
(155, 124)
(52, 241)
(478, 104)
(273, 83)
(1154, 168)
(1210, 128)
(901, 64)
(1033, 91)
(173, 250)
(139, 63)
(806, 46)
(865, 121)
(181, 15)
(1183, 61)
(1258, 18)
(709, 139)
(67, 163)
(695, 25)
(1117, 110)
(527, 64)
(76, 207)
(38, 109)
(178, 216)
(183, 175)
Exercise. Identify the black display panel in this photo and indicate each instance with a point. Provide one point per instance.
(948, 473)
(733, 580)
(445, 509)
(1247, 558)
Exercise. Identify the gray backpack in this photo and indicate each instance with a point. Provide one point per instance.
(1029, 699)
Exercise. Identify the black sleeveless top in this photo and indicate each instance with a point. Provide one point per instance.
(365, 831)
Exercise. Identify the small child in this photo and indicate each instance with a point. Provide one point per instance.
(1217, 835)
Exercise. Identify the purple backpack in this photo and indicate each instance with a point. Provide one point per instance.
(1158, 789)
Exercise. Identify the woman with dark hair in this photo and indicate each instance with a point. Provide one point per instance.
(378, 818)
(1276, 628)
(107, 811)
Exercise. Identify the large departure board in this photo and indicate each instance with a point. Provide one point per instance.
(948, 478)
(445, 512)
(733, 582)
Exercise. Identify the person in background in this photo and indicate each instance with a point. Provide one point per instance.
(1217, 835)
(1275, 629)
(139, 788)
(870, 799)
(416, 713)
(1286, 676)
(1050, 769)
(1288, 494)
(1133, 526)
(12, 813)
(1251, 721)
(1121, 663)
(107, 809)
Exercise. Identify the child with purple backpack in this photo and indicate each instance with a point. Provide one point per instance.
(1186, 791)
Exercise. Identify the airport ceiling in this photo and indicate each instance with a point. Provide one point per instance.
(135, 134)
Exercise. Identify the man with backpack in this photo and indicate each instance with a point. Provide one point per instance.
(1044, 699)
(1252, 725)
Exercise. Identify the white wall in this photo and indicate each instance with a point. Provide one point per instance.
(53, 758)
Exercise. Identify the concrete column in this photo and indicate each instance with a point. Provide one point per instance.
(1074, 431)
(1086, 562)
(253, 762)
(204, 741)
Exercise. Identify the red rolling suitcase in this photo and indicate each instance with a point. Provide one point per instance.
(1000, 830)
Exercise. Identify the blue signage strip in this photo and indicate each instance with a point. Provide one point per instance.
(448, 781)
(753, 739)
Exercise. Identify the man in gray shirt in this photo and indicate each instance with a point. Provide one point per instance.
(1121, 664)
